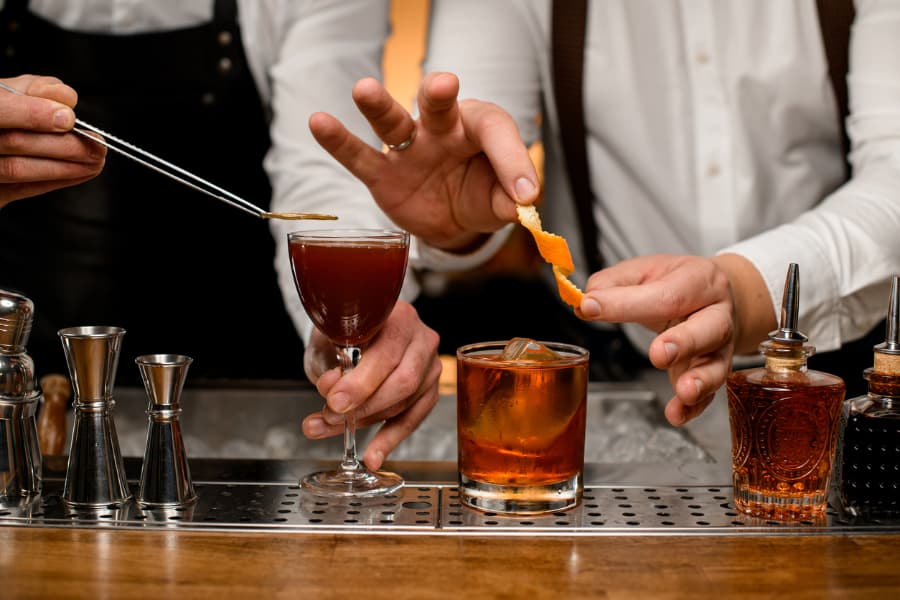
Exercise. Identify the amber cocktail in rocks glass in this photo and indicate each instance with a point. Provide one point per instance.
(349, 281)
(521, 416)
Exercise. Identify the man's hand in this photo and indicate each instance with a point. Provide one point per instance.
(38, 152)
(460, 176)
(704, 311)
(396, 381)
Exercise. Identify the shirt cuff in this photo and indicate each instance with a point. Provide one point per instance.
(424, 256)
(819, 289)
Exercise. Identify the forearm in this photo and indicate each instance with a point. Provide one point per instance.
(755, 315)
(847, 247)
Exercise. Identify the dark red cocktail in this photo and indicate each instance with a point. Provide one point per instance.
(348, 286)
(349, 281)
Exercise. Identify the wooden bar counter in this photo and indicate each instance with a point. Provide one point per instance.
(76, 563)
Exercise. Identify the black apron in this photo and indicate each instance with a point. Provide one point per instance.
(180, 271)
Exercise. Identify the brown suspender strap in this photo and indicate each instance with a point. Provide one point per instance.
(567, 42)
(835, 19)
(569, 20)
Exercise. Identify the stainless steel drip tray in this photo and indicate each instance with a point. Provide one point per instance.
(428, 505)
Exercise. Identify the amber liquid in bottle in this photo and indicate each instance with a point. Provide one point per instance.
(868, 475)
(784, 424)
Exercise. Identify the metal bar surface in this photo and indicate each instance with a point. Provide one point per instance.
(264, 496)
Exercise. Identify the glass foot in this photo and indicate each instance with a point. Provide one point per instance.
(521, 499)
(352, 483)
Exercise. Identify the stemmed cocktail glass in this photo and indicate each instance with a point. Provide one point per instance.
(349, 281)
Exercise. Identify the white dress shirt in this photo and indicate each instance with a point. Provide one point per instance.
(712, 127)
(305, 56)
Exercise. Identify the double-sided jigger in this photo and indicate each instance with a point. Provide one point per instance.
(95, 474)
(20, 456)
(165, 476)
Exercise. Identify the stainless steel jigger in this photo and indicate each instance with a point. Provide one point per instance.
(20, 456)
(95, 475)
(165, 476)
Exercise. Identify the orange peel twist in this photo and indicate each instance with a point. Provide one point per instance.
(555, 250)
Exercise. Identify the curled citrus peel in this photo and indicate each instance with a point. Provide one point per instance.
(555, 250)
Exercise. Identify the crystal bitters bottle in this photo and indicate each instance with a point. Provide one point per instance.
(784, 424)
(868, 465)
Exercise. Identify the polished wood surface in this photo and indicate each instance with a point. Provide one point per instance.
(125, 564)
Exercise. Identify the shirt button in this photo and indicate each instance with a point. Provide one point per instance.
(713, 169)
(701, 57)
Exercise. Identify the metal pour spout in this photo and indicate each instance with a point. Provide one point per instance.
(887, 353)
(787, 332)
(891, 344)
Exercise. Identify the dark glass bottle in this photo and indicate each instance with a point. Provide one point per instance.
(868, 466)
(784, 424)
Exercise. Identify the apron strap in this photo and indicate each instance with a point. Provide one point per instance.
(835, 20)
(569, 21)
(225, 13)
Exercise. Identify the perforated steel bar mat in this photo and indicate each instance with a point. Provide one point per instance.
(246, 506)
(433, 509)
(656, 510)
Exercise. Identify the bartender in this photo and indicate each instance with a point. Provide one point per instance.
(191, 82)
(223, 89)
(710, 158)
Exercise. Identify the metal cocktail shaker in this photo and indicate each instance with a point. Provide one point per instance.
(95, 474)
(20, 456)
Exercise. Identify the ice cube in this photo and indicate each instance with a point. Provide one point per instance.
(527, 350)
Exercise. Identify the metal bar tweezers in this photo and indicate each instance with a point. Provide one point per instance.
(172, 171)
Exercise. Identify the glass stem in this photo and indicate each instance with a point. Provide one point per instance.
(349, 357)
